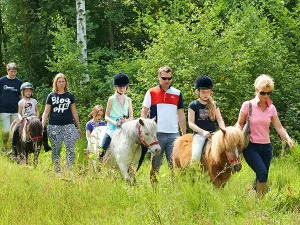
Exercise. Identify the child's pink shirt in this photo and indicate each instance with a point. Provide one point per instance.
(259, 120)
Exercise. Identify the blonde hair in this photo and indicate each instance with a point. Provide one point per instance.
(59, 75)
(211, 107)
(264, 81)
(166, 69)
(12, 66)
(96, 110)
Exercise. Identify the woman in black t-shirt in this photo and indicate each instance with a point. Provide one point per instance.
(201, 115)
(61, 105)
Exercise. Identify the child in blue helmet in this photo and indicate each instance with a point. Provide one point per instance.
(118, 109)
(27, 106)
(201, 115)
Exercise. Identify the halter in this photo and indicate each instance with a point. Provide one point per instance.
(27, 131)
(34, 138)
(143, 140)
(232, 161)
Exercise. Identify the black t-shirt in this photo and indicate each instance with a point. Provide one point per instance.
(60, 113)
(9, 94)
(202, 119)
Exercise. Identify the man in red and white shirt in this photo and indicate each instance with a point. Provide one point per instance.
(165, 104)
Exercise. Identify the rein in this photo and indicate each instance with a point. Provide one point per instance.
(230, 166)
(143, 140)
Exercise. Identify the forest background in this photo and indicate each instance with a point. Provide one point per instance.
(231, 41)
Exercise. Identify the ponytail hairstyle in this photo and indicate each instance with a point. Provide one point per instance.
(211, 106)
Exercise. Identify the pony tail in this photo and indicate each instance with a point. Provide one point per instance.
(211, 108)
(23, 137)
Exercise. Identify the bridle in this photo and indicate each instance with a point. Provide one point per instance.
(34, 138)
(232, 161)
(28, 131)
(143, 140)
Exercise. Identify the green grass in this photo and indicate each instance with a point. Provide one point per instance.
(36, 196)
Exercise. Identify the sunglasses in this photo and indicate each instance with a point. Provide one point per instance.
(166, 78)
(265, 93)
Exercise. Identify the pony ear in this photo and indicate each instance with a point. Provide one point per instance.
(223, 131)
(154, 118)
(141, 122)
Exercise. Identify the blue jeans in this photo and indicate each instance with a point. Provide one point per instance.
(258, 157)
(166, 142)
(105, 142)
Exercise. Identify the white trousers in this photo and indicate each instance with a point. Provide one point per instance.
(197, 147)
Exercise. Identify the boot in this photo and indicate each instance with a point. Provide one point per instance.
(101, 154)
(47, 148)
(261, 188)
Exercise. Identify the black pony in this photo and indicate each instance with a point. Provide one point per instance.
(29, 139)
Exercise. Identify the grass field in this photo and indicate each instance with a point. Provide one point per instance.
(36, 196)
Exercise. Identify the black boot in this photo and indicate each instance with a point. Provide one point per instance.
(47, 148)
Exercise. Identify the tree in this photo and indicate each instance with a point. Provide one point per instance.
(81, 33)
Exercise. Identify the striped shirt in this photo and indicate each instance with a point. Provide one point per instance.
(164, 105)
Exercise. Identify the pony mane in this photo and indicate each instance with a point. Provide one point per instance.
(234, 138)
(24, 136)
(33, 122)
(130, 128)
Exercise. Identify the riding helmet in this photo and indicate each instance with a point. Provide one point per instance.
(203, 82)
(121, 79)
(26, 85)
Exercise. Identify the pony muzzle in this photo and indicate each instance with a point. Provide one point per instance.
(237, 167)
(155, 149)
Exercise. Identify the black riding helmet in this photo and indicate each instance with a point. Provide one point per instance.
(121, 79)
(26, 85)
(203, 82)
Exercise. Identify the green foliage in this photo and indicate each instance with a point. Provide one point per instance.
(104, 198)
(26, 38)
(231, 41)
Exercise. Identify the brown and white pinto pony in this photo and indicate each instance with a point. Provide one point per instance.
(29, 140)
(221, 154)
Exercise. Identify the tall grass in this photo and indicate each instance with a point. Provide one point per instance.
(36, 196)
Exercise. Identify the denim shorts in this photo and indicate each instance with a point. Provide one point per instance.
(7, 119)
